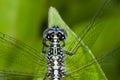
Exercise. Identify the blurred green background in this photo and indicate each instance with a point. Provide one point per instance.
(27, 19)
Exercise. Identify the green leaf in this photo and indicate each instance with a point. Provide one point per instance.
(76, 65)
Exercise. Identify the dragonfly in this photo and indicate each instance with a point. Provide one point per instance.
(26, 63)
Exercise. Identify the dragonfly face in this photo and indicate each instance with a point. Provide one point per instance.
(53, 33)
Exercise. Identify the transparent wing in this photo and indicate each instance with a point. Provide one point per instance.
(89, 29)
(84, 69)
(83, 64)
(19, 60)
(20, 75)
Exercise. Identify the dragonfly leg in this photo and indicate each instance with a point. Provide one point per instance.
(43, 49)
(63, 45)
(45, 76)
(69, 53)
(44, 46)
(71, 77)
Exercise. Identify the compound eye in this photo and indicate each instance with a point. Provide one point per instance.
(59, 35)
(48, 37)
(52, 35)
(63, 34)
(47, 33)
(63, 37)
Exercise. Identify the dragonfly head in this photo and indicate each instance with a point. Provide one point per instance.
(55, 32)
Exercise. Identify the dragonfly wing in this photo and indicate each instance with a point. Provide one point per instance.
(90, 32)
(85, 64)
(19, 75)
(91, 67)
(17, 56)
(79, 66)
